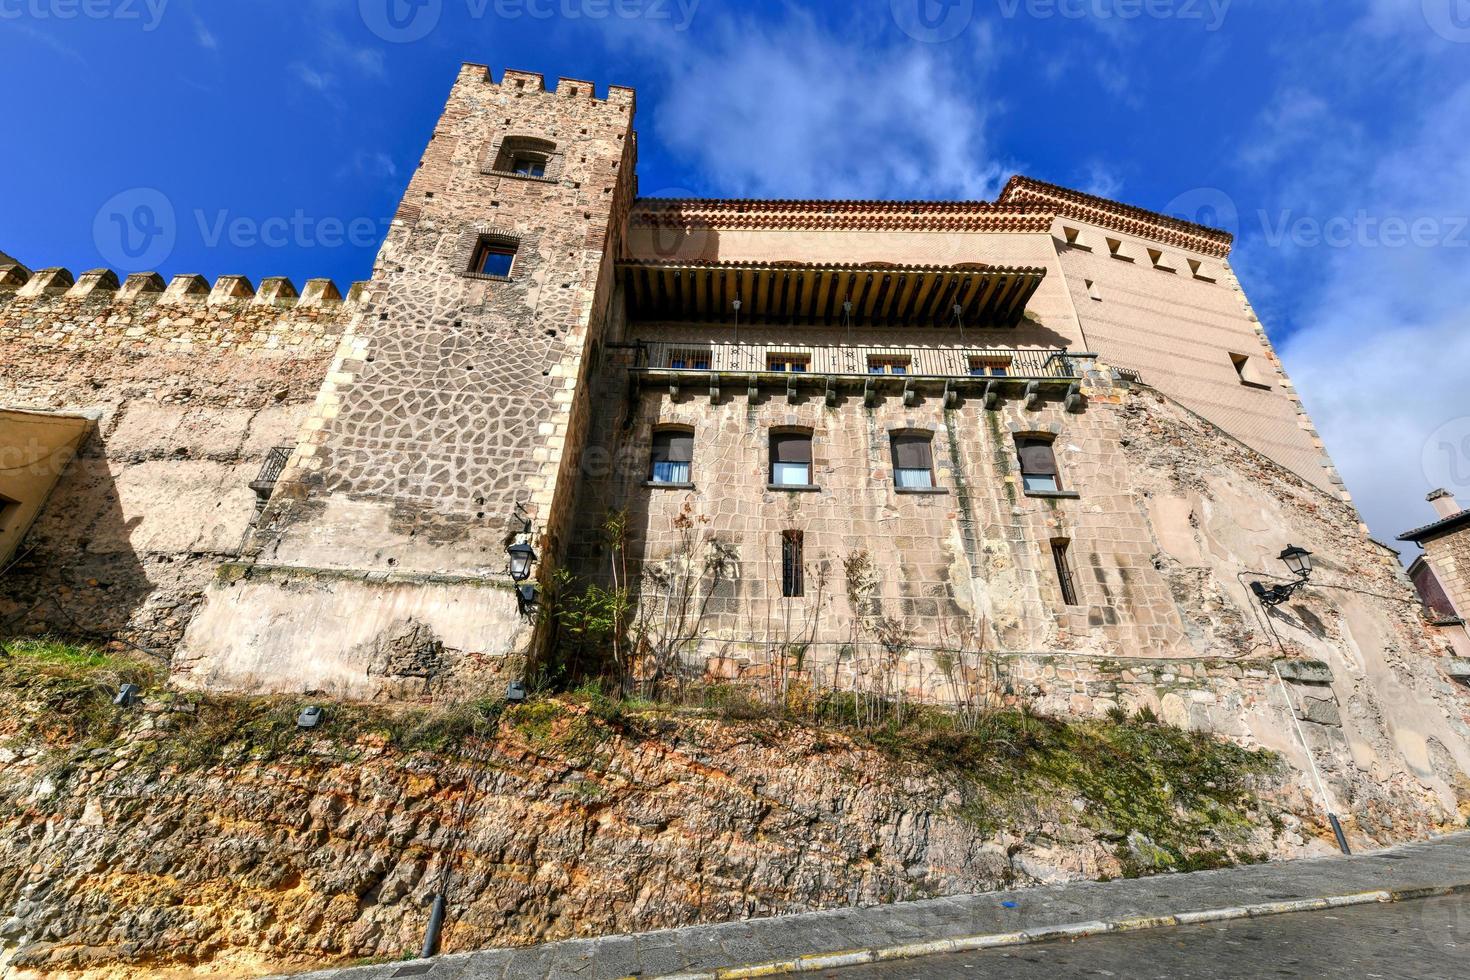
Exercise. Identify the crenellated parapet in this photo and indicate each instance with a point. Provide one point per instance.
(52, 308)
(18, 284)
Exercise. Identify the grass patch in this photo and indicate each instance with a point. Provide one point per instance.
(1161, 797)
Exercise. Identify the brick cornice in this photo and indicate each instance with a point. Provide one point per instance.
(791, 215)
(1125, 218)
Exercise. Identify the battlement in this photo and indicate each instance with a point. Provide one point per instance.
(18, 284)
(524, 82)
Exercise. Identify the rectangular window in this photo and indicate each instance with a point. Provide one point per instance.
(1115, 249)
(989, 367)
(1074, 239)
(673, 452)
(788, 362)
(792, 584)
(791, 459)
(913, 461)
(1064, 572)
(1092, 290)
(493, 259)
(689, 360)
(1038, 465)
(888, 365)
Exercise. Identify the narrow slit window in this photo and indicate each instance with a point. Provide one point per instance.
(792, 577)
(913, 461)
(1038, 465)
(673, 455)
(1245, 369)
(1115, 249)
(1092, 290)
(493, 258)
(791, 459)
(1074, 239)
(1065, 578)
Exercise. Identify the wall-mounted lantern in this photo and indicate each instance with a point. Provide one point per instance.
(522, 555)
(1299, 562)
(526, 598)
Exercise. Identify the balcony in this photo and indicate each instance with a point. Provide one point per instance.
(993, 372)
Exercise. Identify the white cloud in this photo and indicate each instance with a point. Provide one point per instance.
(204, 35)
(1385, 336)
(797, 109)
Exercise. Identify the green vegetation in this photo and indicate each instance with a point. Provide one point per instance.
(1162, 797)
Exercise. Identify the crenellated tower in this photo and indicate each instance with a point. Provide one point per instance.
(450, 423)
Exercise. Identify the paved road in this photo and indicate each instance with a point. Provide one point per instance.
(1426, 939)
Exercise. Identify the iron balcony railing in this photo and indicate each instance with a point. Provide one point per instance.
(919, 362)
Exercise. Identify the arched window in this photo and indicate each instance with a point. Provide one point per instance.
(1038, 464)
(672, 456)
(913, 460)
(525, 156)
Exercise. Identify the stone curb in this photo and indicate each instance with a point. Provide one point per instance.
(963, 944)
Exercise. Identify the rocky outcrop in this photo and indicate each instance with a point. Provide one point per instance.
(195, 832)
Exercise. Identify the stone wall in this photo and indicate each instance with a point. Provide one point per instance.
(1171, 521)
(454, 406)
(191, 386)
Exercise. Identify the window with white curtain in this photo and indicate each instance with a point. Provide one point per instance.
(673, 454)
(913, 460)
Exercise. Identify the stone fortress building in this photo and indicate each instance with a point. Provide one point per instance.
(1039, 445)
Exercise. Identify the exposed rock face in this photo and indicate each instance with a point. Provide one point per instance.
(150, 853)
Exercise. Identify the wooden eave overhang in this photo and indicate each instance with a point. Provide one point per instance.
(814, 294)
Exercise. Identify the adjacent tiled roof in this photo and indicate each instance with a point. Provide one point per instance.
(1118, 216)
(1025, 205)
(842, 215)
(1442, 526)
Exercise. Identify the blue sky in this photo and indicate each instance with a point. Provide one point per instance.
(274, 137)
